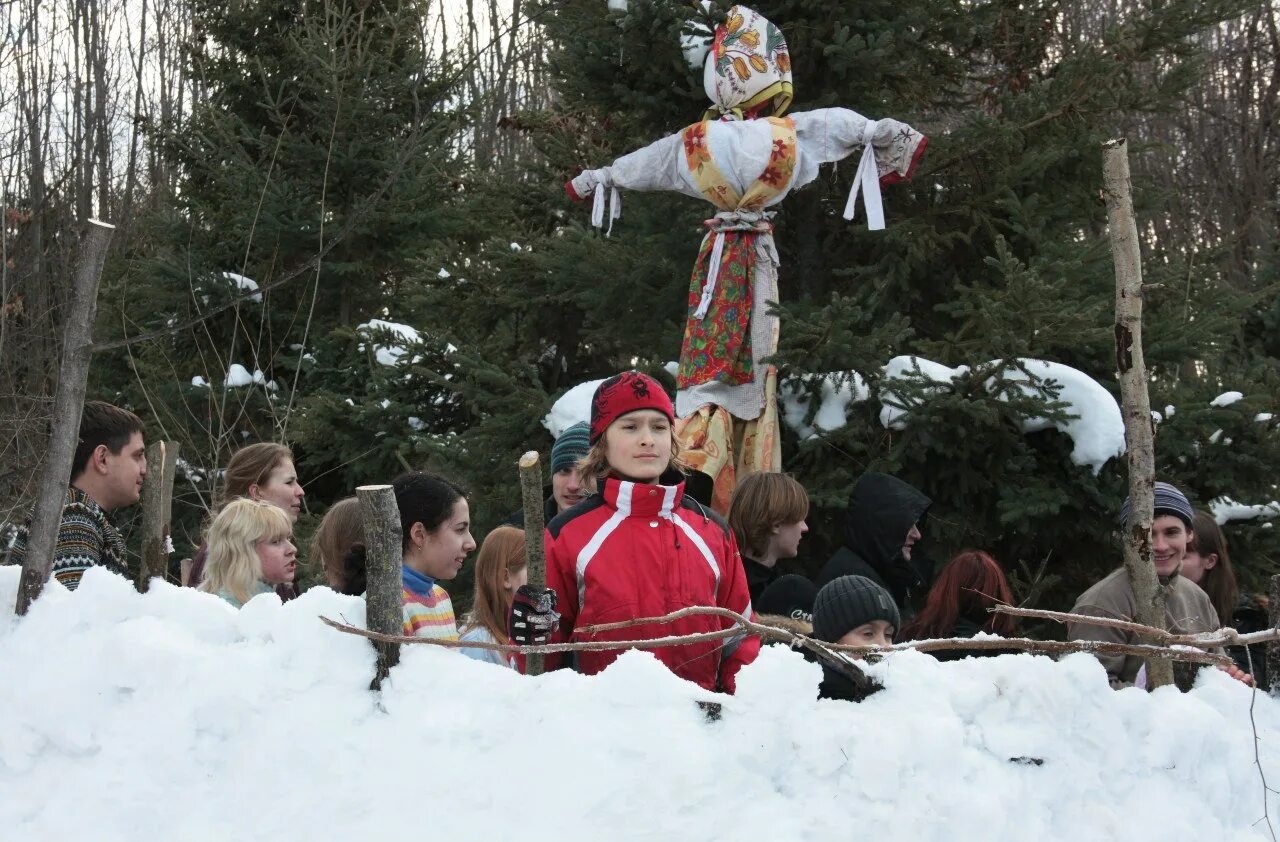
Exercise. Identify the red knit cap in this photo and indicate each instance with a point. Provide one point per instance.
(623, 393)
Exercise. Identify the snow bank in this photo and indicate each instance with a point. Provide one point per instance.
(173, 716)
(571, 408)
(695, 40)
(895, 407)
(391, 354)
(238, 376)
(839, 390)
(1226, 399)
(1225, 509)
(1097, 431)
(244, 285)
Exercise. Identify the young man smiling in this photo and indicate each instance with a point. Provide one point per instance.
(1187, 608)
(107, 472)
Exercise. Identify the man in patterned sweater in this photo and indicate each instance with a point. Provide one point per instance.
(106, 474)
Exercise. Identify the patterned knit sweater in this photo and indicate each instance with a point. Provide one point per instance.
(86, 538)
(427, 610)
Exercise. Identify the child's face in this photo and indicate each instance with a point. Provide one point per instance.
(279, 559)
(638, 445)
(874, 633)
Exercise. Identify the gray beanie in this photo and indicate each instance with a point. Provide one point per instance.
(1169, 501)
(845, 603)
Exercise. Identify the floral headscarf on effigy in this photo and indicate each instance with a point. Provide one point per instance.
(748, 71)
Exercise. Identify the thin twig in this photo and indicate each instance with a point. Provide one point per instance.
(1225, 636)
(1064, 617)
(546, 648)
(831, 650)
(938, 645)
(1257, 757)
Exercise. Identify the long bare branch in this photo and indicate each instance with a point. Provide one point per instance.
(774, 633)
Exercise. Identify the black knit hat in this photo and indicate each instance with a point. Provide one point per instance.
(845, 603)
(788, 596)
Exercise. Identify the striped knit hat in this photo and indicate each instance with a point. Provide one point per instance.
(1169, 501)
(569, 449)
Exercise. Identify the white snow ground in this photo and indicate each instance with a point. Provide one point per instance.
(172, 716)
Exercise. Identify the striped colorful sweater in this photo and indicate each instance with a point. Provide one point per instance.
(86, 538)
(427, 610)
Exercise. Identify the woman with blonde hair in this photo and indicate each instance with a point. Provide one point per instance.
(340, 529)
(262, 471)
(250, 551)
(500, 571)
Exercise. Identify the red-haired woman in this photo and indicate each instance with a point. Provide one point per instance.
(958, 601)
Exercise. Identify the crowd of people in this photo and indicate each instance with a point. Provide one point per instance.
(625, 542)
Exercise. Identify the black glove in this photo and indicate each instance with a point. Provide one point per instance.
(533, 615)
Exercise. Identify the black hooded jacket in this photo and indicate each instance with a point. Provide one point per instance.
(882, 510)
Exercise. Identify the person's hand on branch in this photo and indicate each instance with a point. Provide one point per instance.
(533, 615)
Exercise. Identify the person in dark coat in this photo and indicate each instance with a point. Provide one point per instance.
(853, 611)
(787, 602)
(881, 527)
(566, 489)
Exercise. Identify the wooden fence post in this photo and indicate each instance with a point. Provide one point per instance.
(1273, 648)
(68, 404)
(534, 527)
(1135, 401)
(157, 512)
(383, 559)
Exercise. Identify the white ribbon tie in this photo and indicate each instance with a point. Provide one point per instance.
(713, 272)
(868, 181)
(597, 207)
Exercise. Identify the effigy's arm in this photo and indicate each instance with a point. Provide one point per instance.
(891, 150)
(833, 134)
(654, 167)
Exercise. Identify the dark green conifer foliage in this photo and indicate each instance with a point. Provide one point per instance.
(995, 251)
(320, 163)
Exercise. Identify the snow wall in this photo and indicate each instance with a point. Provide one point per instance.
(172, 716)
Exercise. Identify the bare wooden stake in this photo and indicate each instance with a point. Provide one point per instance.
(383, 559)
(534, 527)
(1273, 649)
(157, 511)
(1135, 401)
(68, 404)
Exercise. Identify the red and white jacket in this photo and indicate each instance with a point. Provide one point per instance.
(637, 550)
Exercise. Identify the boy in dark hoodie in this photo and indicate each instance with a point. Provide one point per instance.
(882, 524)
